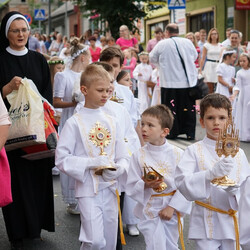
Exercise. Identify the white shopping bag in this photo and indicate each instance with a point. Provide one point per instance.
(27, 117)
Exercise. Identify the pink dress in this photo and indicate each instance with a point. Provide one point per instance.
(95, 55)
(129, 66)
(125, 44)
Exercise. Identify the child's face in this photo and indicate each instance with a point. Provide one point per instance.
(127, 53)
(86, 58)
(58, 68)
(112, 87)
(144, 59)
(96, 95)
(213, 121)
(244, 63)
(152, 131)
(232, 58)
(126, 81)
(115, 63)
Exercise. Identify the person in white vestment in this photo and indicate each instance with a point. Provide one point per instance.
(226, 72)
(158, 210)
(115, 58)
(242, 91)
(79, 155)
(244, 208)
(63, 98)
(213, 221)
(176, 58)
(142, 73)
(156, 97)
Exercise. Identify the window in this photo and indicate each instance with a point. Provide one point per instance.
(201, 21)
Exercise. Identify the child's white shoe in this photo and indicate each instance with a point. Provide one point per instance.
(132, 230)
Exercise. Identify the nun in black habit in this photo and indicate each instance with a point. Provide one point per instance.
(31, 181)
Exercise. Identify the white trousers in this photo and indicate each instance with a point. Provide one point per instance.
(128, 216)
(99, 221)
(206, 244)
(160, 234)
(68, 188)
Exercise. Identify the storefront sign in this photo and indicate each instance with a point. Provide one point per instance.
(242, 4)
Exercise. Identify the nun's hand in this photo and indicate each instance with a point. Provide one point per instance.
(14, 83)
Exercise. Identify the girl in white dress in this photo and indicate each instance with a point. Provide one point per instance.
(226, 72)
(142, 74)
(62, 98)
(156, 98)
(211, 55)
(242, 90)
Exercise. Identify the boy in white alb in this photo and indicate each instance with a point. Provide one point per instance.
(213, 219)
(115, 58)
(78, 156)
(244, 208)
(158, 210)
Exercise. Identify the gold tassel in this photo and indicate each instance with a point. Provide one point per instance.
(120, 219)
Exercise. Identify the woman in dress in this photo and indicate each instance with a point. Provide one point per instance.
(126, 41)
(94, 51)
(31, 181)
(64, 84)
(192, 38)
(211, 51)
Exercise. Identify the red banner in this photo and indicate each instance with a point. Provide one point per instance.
(242, 4)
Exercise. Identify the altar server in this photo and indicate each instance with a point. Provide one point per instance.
(159, 210)
(213, 222)
(115, 58)
(78, 155)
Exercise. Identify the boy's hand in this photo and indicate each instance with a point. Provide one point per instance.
(99, 161)
(166, 213)
(152, 183)
(109, 175)
(221, 168)
(230, 89)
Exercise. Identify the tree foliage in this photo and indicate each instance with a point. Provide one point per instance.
(117, 12)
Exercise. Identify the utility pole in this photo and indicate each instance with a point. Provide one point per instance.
(49, 18)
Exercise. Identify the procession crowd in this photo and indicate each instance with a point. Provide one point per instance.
(116, 105)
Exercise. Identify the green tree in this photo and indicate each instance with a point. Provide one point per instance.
(118, 12)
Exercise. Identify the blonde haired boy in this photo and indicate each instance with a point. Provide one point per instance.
(79, 157)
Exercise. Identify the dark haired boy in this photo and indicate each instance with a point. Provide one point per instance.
(213, 219)
(158, 210)
(115, 58)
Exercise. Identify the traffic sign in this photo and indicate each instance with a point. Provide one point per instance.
(176, 4)
(29, 18)
(39, 14)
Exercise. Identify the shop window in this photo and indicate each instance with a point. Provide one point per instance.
(162, 25)
(201, 21)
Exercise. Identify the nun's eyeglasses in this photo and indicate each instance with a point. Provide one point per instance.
(18, 31)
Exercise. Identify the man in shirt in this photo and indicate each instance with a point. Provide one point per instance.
(33, 43)
(154, 41)
(203, 39)
(171, 54)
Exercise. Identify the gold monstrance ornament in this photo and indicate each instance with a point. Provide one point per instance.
(150, 174)
(100, 137)
(227, 144)
(114, 98)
